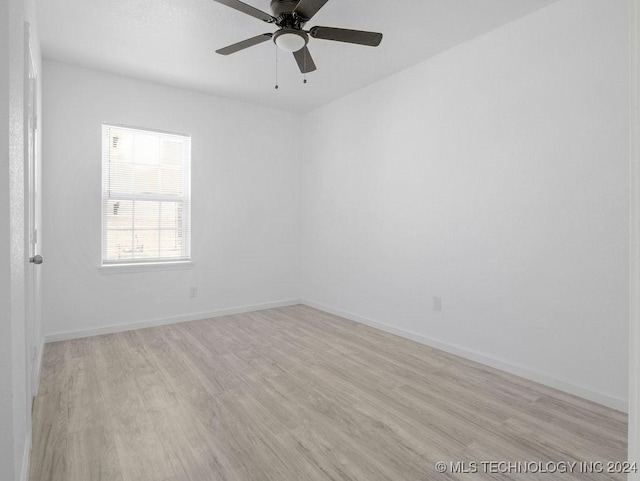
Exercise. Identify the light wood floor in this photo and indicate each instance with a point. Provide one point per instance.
(295, 394)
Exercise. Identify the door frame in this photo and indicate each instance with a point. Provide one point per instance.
(634, 268)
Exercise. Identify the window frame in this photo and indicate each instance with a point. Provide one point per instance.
(144, 264)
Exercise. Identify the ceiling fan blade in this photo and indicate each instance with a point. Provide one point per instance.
(308, 8)
(360, 37)
(248, 9)
(250, 42)
(305, 62)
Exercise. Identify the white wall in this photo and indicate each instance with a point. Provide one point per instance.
(494, 175)
(15, 389)
(634, 311)
(245, 177)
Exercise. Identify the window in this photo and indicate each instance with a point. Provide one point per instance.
(145, 196)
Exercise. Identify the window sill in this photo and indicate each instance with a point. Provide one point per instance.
(150, 267)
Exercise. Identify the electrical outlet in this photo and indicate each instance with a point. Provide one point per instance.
(193, 292)
(437, 303)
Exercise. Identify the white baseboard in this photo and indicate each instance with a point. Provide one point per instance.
(65, 336)
(580, 391)
(24, 473)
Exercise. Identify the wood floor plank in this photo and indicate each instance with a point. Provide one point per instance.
(296, 394)
(93, 456)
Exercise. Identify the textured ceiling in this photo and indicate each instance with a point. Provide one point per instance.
(174, 42)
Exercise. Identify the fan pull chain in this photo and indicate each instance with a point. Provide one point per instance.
(276, 67)
(305, 66)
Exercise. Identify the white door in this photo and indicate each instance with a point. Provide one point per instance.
(32, 213)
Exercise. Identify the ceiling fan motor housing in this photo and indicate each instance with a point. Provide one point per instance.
(283, 7)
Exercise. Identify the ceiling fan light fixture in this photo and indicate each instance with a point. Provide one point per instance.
(290, 40)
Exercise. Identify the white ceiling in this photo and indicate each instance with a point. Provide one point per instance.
(174, 42)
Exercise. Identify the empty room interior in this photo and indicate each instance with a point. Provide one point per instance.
(308, 240)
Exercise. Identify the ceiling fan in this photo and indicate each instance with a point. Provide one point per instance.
(290, 16)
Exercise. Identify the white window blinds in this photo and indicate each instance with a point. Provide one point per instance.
(145, 196)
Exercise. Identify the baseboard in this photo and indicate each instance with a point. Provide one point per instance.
(65, 336)
(26, 457)
(511, 368)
